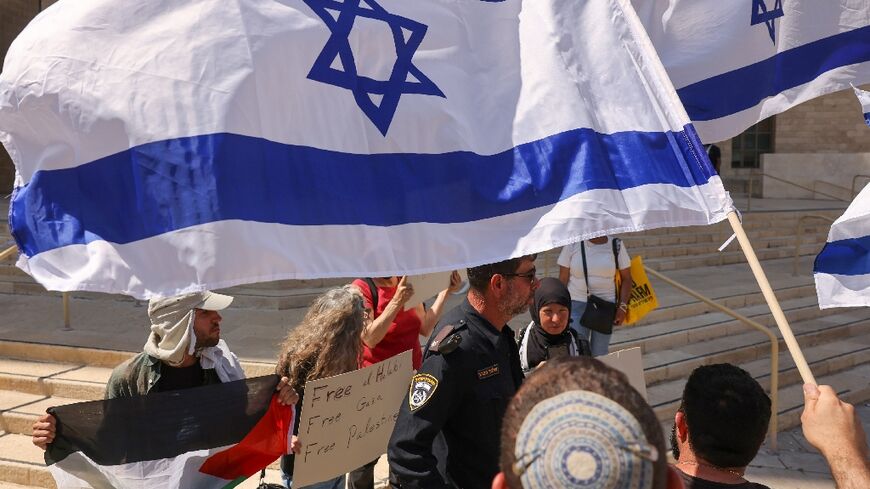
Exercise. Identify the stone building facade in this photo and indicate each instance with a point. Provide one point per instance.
(824, 139)
(823, 143)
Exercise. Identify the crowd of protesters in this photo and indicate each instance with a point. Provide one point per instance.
(488, 409)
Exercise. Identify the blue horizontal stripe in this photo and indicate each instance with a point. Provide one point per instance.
(745, 87)
(867, 118)
(173, 184)
(845, 257)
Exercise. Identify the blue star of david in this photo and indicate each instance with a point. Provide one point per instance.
(407, 36)
(760, 14)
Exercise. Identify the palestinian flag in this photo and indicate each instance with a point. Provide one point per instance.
(205, 437)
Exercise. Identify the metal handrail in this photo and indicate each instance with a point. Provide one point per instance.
(9, 253)
(854, 179)
(783, 180)
(774, 347)
(799, 238)
(831, 185)
(814, 191)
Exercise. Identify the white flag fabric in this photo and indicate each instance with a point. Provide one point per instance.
(164, 147)
(737, 62)
(842, 269)
(864, 100)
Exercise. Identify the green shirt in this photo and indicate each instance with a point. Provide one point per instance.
(139, 375)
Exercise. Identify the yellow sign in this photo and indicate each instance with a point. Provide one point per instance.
(643, 297)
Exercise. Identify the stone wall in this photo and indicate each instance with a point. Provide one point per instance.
(830, 124)
(834, 173)
(14, 15)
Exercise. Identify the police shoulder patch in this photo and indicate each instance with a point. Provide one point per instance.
(422, 389)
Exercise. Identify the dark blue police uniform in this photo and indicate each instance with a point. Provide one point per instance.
(470, 372)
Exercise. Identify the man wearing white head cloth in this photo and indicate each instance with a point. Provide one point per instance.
(577, 423)
(184, 350)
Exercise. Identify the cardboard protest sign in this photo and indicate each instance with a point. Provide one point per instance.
(429, 285)
(629, 362)
(347, 420)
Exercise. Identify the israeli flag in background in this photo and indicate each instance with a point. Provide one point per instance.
(842, 269)
(864, 99)
(737, 62)
(164, 146)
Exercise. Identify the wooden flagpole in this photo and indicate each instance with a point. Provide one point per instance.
(787, 335)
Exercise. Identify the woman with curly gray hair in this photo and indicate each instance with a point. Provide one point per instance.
(327, 342)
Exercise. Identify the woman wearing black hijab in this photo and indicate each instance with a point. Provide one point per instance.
(548, 335)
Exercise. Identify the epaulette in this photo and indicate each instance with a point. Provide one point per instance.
(447, 340)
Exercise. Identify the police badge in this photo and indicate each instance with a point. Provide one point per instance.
(422, 388)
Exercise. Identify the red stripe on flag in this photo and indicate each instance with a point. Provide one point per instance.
(261, 446)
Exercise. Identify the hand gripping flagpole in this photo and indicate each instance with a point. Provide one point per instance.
(796, 354)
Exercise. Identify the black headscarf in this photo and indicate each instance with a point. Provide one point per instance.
(550, 291)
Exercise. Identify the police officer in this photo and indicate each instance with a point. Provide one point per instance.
(470, 371)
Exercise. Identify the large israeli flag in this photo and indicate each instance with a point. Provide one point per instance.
(736, 62)
(168, 146)
(842, 269)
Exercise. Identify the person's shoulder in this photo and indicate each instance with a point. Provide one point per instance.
(449, 335)
(122, 381)
(136, 362)
(572, 248)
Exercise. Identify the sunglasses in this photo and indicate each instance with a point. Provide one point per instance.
(530, 275)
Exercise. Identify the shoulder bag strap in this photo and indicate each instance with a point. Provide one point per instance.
(585, 271)
(373, 291)
(616, 266)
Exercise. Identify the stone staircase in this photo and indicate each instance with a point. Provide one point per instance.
(835, 343)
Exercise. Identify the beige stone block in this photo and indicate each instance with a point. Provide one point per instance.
(87, 374)
(13, 399)
(20, 449)
(74, 389)
(17, 423)
(22, 383)
(39, 407)
(14, 472)
(33, 369)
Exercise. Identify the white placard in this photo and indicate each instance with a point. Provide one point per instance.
(347, 420)
(629, 362)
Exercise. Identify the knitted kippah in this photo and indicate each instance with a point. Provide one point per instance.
(580, 439)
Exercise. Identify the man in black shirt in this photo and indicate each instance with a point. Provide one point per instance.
(719, 427)
(470, 371)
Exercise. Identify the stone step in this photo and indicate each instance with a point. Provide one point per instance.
(45, 356)
(53, 379)
(69, 380)
(22, 462)
(677, 250)
(852, 386)
(726, 258)
(691, 307)
(664, 365)
(756, 220)
(19, 410)
(5, 485)
(705, 327)
(59, 354)
(719, 235)
(824, 359)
